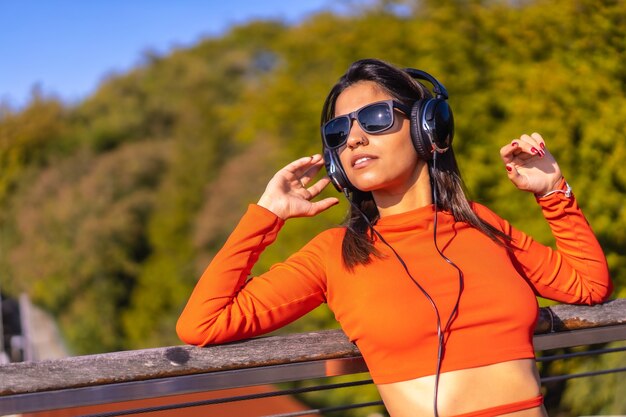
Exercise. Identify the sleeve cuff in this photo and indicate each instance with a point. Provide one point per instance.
(261, 212)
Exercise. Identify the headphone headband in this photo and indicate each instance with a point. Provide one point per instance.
(438, 88)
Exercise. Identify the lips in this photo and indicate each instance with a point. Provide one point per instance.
(361, 160)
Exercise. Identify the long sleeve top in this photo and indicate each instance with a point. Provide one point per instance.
(382, 310)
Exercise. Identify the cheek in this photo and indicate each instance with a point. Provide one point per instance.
(408, 151)
(405, 142)
(402, 148)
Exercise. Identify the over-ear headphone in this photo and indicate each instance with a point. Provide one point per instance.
(432, 123)
(431, 127)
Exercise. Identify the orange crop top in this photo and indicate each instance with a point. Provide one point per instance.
(382, 310)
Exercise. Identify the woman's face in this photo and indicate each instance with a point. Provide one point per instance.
(384, 163)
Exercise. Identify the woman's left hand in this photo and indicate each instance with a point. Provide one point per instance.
(529, 164)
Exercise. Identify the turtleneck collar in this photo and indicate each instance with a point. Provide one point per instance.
(410, 220)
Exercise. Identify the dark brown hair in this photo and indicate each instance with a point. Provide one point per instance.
(358, 247)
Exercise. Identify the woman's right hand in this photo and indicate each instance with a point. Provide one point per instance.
(530, 165)
(287, 195)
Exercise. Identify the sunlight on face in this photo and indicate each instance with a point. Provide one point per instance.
(384, 163)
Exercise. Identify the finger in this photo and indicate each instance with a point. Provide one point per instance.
(508, 152)
(305, 170)
(311, 172)
(300, 165)
(540, 141)
(516, 178)
(519, 150)
(531, 145)
(319, 206)
(317, 188)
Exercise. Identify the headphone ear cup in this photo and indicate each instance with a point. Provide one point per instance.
(335, 171)
(432, 127)
(441, 125)
(420, 139)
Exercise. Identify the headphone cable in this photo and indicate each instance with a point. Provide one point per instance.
(440, 332)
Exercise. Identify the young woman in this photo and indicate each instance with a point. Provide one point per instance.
(438, 293)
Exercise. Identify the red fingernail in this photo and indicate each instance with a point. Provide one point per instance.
(533, 150)
(508, 168)
(514, 144)
(543, 146)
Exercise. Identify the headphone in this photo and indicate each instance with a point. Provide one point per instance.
(431, 127)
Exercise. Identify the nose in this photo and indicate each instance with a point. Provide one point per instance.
(356, 137)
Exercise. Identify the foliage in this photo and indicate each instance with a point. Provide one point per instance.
(607, 389)
(88, 216)
(110, 209)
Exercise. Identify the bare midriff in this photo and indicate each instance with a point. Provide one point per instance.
(466, 390)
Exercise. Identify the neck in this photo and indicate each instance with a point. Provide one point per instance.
(417, 193)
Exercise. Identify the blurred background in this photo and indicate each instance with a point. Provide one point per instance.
(134, 134)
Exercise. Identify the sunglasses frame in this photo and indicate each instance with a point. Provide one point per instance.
(391, 104)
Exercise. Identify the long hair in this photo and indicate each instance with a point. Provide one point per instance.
(357, 246)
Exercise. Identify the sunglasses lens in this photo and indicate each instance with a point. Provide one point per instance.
(336, 131)
(376, 118)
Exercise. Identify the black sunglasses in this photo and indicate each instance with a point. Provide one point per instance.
(373, 118)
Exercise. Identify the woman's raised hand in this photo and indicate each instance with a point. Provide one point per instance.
(287, 194)
(529, 164)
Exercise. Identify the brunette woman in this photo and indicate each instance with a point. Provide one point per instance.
(438, 292)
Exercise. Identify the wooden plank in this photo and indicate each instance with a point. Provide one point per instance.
(139, 365)
(565, 317)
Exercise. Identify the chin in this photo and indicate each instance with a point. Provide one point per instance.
(366, 185)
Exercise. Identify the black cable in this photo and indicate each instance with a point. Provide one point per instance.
(440, 332)
(428, 297)
(441, 351)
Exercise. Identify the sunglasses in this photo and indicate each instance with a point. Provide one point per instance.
(373, 118)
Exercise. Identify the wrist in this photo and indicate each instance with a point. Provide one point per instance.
(561, 187)
(269, 204)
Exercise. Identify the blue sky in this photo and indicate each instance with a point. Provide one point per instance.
(66, 47)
